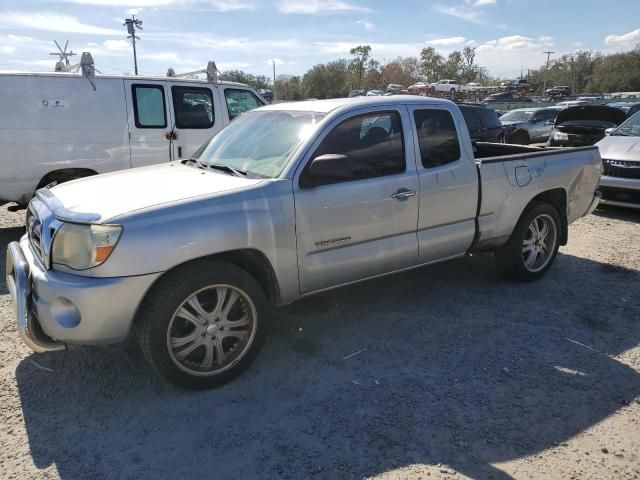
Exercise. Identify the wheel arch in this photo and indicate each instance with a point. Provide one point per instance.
(254, 262)
(557, 198)
(64, 175)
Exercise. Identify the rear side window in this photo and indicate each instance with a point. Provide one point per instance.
(149, 106)
(489, 118)
(470, 119)
(437, 136)
(372, 142)
(240, 101)
(193, 107)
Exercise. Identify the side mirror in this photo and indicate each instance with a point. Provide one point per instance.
(549, 122)
(609, 131)
(328, 168)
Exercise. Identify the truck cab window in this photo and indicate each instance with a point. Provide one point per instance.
(371, 143)
(437, 136)
(240, 101)
(149, 106)
(193, 107)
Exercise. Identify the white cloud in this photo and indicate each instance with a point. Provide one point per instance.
(162, 56)
(447, 41)
(51, 22)
(319, 7)
(462, 12)
(138, 5)
(7, 49)
(626, 39)
(368, 26)
(546, 40)
(512, 42)
(478, 3)
(116, 45)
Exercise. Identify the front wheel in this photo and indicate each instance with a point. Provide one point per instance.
(203, 326)
(533, 245)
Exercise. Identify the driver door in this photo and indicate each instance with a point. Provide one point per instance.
(361, 221)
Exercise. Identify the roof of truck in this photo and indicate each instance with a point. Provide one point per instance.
(326, 106)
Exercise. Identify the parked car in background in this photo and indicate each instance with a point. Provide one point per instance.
(395, 88)
(375, 93)
(560, 91)
(507, 97)
(266, 94)
(420, 88)
(356, 93)
(584, 125)
(57, 127)
(505, 84)
(287, 201)
(572, 103)
(529, 125)
(620, 152)
(473, 87)
(521, 85)
(482, 122)
(450, 86)
(630, 108)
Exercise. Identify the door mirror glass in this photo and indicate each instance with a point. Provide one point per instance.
(609, 131)
(334, 166)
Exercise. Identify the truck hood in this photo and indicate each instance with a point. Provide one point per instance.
(591, 112)
(117, 193)
(618, 147)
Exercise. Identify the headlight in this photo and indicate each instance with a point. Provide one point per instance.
(81, 246)
(560, 136)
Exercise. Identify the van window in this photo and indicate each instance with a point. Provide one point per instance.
(193, 107)
(437, 136)
(240, 101)
(149, 106)
(470, 118)
(372, 144)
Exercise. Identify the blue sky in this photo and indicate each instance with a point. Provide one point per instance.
(247, 34)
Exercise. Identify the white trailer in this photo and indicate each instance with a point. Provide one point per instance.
(57, 127)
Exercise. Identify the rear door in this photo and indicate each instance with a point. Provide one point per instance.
(448, 186)
(149, 122)
(540, 126)
(363, 223)
(196, 116)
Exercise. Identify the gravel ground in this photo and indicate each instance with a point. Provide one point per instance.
(458, 373)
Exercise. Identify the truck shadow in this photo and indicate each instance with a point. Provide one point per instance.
(431, 380)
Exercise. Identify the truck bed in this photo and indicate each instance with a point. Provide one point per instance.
(511, 176)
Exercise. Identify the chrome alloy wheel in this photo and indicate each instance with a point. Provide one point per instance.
(212, 330)
(539, 243)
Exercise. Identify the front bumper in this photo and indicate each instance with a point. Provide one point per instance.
(55, 308)
(620, 192)
(597, 198)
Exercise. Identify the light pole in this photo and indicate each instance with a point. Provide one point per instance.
(132, 24)
(546, 72)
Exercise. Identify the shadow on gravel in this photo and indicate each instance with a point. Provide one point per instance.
(456, 367)
(618, 213)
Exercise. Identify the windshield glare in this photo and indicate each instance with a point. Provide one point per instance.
(260, 142)
(516, 116)
(630, 128)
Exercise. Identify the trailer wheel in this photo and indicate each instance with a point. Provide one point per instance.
(533, 245)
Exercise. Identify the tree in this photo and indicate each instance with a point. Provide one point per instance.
(239, 76)
(358, 64)
(327, 80)
(403, 71)
(617, 73)
(431, 64)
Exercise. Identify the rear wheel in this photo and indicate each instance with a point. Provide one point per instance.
(204, 326)
(520, 138)
(533, 246)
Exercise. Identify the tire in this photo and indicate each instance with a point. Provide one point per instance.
(452, 91)
(520, 138)
(514, 259)
(206, 342)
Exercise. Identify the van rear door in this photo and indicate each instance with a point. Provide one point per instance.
(149, 121)
(196, 114)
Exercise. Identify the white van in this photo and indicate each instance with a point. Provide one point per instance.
(56, 127)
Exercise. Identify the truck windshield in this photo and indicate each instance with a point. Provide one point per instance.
(260, 143)
(630, 128)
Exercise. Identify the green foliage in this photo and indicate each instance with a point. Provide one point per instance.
(617, 73)
(328, 80)
(256, 81)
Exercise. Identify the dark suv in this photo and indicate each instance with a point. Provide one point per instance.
(483, 122)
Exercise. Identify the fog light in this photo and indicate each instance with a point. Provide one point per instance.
(65, 313)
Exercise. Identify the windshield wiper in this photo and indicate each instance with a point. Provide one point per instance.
(226, 168)
(198, 163)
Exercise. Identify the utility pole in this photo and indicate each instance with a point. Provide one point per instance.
(546, 72)
(132, 24)
(273, 61)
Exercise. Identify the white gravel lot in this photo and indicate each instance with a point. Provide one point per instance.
(460, 374)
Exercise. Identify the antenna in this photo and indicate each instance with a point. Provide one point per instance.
(132, 25)
(63, 64)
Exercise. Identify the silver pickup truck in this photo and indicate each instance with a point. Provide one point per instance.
(287, 201)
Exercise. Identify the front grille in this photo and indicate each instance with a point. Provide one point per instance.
(34, 232)
(621, 168)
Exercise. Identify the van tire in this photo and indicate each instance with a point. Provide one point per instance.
(515, 258)
(211, 361)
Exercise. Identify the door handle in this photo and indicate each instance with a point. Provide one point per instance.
(403, 194)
